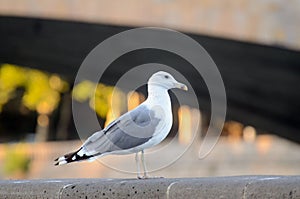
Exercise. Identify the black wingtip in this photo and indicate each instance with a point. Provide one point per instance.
(71, 157)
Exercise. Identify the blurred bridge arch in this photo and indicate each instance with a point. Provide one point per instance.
(262, 82)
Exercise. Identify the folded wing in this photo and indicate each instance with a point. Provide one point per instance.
(130, 130)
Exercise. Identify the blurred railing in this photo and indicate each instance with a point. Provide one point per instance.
(266, 155)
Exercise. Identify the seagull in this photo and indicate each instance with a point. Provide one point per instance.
(141, 128)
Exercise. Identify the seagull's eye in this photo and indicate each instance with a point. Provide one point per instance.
(166, 76)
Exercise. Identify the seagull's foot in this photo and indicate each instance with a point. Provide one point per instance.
(140, 177)
(149, 177)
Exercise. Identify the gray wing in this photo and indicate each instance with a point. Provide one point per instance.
(130, 130)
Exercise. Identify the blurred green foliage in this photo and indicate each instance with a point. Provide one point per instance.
(42, 90)
(17, 160)
(102, 98)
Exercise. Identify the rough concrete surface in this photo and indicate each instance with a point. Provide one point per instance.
(213, 187)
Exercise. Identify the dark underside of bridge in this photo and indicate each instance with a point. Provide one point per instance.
(262, 82)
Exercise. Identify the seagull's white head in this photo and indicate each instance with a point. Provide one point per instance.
(166, 81)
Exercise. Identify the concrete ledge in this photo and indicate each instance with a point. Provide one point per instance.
(213, 187)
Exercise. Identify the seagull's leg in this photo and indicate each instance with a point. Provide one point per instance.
(144, 165)
(138, 165)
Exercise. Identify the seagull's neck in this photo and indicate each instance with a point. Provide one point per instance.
(158, 95)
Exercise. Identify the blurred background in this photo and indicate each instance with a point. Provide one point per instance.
(255, 44)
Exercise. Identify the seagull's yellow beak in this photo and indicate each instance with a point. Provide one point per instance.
(181, 86)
